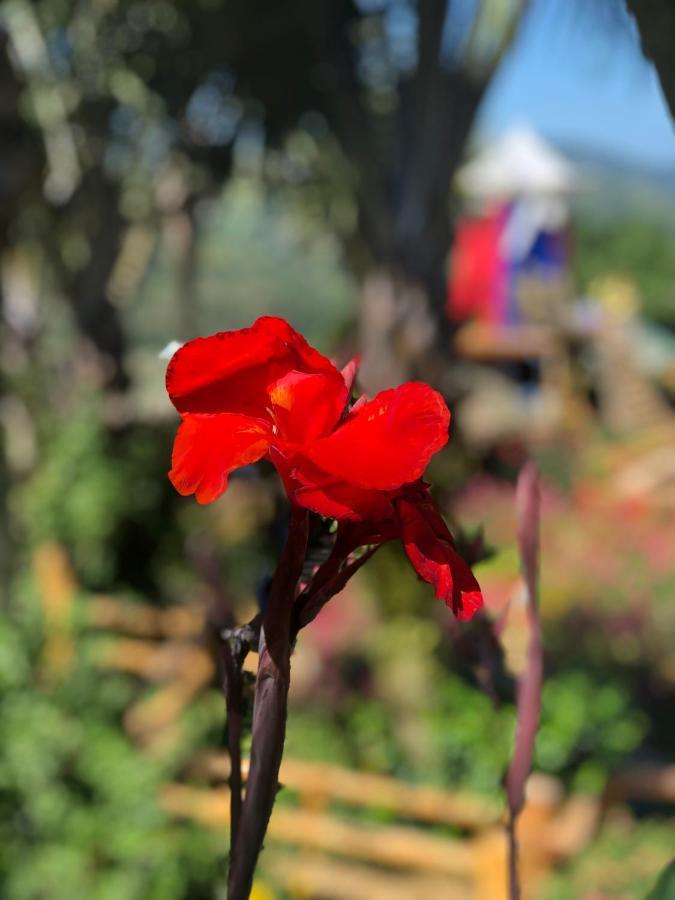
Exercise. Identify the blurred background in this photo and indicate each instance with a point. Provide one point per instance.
(477, 193)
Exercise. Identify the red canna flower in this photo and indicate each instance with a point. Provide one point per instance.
(264, 391)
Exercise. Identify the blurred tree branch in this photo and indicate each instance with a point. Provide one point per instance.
(656, 23)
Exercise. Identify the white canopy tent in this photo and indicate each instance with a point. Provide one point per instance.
(522, 169)
(519, 163)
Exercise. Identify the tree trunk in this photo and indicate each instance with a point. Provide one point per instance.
(396, 328)
(87, 289)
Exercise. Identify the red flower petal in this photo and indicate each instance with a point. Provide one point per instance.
(207, 448)
(305, 357)
(227, 372)
(387, 442)
(231, 371)
(305, 406)
(314, 489)
(431, 551)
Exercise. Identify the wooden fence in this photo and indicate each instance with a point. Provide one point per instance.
(436, 843)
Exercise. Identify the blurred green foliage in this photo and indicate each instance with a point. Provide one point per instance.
(455, 736)
(78, 802)
(76, 496)
(255, 257)
(643, 250)
(588, 726)
(96, 491)
(622, 864)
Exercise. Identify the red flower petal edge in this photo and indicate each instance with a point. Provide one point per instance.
(386, 442)
(431, 551)
(207, 448)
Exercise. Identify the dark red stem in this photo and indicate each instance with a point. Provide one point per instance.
(269, 709)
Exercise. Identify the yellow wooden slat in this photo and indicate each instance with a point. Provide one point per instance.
(311, 875)
(394, 846)
(322, 781)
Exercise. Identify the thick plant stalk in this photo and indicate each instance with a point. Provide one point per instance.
(530, 683)
(269, 709)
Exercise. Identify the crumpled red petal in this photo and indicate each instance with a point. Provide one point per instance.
(314, 489)
(307, 406)
(386, 442)
(431, 551)
(232, 371)
(208, 447)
